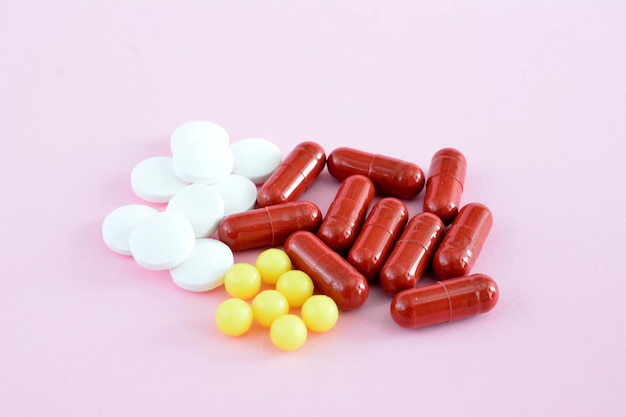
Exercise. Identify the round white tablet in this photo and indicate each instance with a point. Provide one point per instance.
(205, 267)
(198, 130)
(238, 194)
(255, 158)
(162, 241)
(201, 205)
(203, 162)
(119, 223)
(154, 180)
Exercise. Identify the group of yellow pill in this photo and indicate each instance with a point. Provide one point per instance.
(270, 308)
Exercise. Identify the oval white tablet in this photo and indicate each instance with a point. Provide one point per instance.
(154, 180)
(255, 158)
(201, 205)
(205, 267)
(162, 241)
(238, 194)
(119, 223)
(198, 130)
(203, 162)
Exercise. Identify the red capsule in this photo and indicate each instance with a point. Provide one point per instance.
(463, 242)
(444, 301)
(293, 176)
(268, 226)
(346, 213)
(445, 184)
(331, 274)
(378, 236)
(412, 253)
(390, 176)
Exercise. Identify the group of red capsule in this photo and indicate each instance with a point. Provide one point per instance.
(348, 249)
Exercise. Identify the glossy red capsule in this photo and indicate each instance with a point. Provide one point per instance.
(346, 213)
(445, 184)
(268, 226)
(412, 253)
(377, 237)
(390, 176)
(444, 301)
(463, 242)
(293, 176)
(331, 274)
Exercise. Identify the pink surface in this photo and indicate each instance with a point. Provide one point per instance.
(533, 93)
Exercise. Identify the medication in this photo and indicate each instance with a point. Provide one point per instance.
(255, 158)
(412, 253)
(377, 237)
(198, 131)
(296, 286)
(204, 269)
(119, 223)
(331, 274)
(444, 301)
(154, 180)
(268, 226)
(463, 242)
(268, 305)
(293, 176)
(161, 241)
(237, 192)
(288, 332)
(272, 263)
(390, 176)
(445, 184)
(320, 313)
(233, 317)
(346, 213)
(201, 205)
(242, 280)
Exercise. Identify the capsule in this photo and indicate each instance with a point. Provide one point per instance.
(412, 253)
(377, 237)
(445, 184)
(346, 213)
(293, 176)
(390, 176)
(331, 274)
(268, 226)
(444, 301)
(463, 242)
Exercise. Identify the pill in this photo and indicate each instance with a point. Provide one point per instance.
(203, 162)
(320, 313)
(288, 332)
(233, 317)
(444, 301)
(377, 237)
(268, 226)
(412, 253)
(204, 269)
(445, 184)
(268, 305)
(237, 192)
(201, 205)
(119, 223)
(162, 241)
(296, 286)
(460, 247)
(255, 158)
(154, 180)
(293, 176)
(198, 131)
(272, 263)
(390, 176)
(332, 275)
(242, 280)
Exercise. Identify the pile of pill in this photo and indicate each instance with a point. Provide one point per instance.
(248, 195)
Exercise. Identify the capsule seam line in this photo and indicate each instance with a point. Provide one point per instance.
(269, 218)
(449, 301)
(454, 177)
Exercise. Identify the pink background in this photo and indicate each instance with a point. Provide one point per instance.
(533, 92)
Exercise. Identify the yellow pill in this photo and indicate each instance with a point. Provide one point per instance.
(288, 332)
(296, 286)
(268, 305)
(320, 313)
(233, 317)
(242, 280)
(272, 263)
